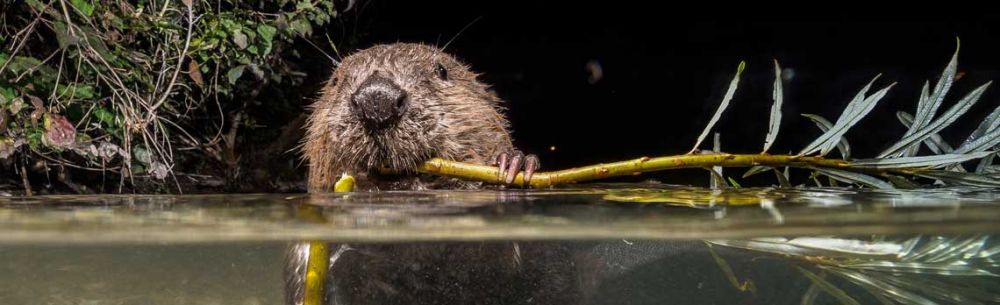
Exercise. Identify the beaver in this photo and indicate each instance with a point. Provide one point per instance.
(390, 107)
(385, 110)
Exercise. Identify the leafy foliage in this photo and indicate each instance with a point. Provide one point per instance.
(139, 82)
(919, 269)
(899, 163)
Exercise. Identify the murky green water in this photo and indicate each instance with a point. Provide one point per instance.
(604, 244)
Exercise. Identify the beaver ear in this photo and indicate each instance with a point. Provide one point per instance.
(442, 73)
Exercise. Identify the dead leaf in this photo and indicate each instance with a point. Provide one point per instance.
(240, 39)
(16, 105)
(194, 71)
(108, 150)
(158, 170)
(3, 121)
(88, 151)
(8, 146)
(59, 132)
(39, 109)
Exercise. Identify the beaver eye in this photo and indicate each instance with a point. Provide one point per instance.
(442, 73)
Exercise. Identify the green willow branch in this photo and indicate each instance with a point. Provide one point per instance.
(490, 174)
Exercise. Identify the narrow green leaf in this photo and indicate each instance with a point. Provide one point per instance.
(734, 183)
(987, 141)
(717, 181)
(960, 248)
(755, 170)
(922, 105)
(922, 268)
(730, 275)
(928, 105)
(899, 295)
(902, 182)
(858, 98)
(857, 108)
(882, 299)
(940, 89)
(869, 104)
(984, 164)
(938, 124)
(935, 143)
(832, 182)
(829, 288)
(981, 137)
(852, 177)
(815, 179)
(809, 297)
(782, 178)
(960, 178)
(921, 108)
(945, 291)
(921, 161)
(778, 96)
(722, 107)
(941, 249)
(848, 246)
(824, 125)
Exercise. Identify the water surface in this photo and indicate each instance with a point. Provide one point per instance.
(600, 244)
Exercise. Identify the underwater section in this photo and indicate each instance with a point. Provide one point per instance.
(600, 244)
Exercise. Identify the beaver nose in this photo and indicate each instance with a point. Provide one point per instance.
(379, 102)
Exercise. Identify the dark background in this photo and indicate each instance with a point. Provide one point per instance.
(665, 68)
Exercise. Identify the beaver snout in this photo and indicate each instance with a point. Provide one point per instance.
(379, 102)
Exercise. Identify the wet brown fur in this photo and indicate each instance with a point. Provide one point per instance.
(456, 118)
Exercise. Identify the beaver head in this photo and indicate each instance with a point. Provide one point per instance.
(391, 107)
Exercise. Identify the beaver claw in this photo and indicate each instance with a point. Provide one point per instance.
(512, 162)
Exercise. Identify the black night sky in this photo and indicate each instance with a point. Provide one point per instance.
(665, 68)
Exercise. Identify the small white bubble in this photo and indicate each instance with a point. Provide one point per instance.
(596, 72)
(787, 74)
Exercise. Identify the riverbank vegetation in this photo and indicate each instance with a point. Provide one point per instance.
(157, 96)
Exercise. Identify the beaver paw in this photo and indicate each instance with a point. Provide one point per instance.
(510, 163)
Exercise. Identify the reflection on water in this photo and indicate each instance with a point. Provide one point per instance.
(604, 244)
